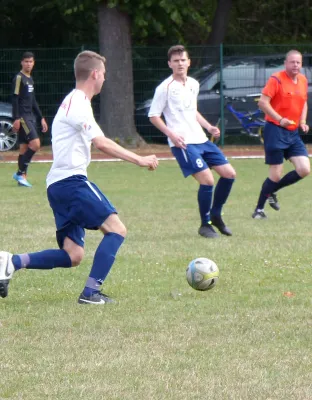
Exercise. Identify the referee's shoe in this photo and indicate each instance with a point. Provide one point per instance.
(273, 202)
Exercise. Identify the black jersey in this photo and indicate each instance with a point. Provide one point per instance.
(24, 100)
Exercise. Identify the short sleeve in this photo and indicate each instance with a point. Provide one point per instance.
(272, 86)
(80, 116)
(158, 103)
(90, 128)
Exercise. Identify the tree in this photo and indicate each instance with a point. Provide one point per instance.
(119, 21)
(117, 101)
(220, 22)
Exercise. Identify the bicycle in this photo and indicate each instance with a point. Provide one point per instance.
(251, 122)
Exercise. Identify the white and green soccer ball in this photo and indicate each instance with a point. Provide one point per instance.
(202, 274)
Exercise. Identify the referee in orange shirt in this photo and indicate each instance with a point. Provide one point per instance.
(284, 102)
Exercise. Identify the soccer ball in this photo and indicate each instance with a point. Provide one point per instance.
(202, 274)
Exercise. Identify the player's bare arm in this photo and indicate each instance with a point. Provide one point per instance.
(177, 139)
(265, 105)
(213, 130)
(113, 149)
(44, 125)
(16, 125)
(303, 119)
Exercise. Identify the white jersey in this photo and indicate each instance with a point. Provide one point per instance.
(73, 128)
(178, 103)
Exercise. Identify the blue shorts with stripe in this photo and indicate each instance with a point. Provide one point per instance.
(198, 157)
(77, 205)
(280, 143)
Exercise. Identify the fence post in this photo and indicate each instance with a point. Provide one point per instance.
(221, 96)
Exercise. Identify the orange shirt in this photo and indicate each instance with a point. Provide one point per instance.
(287, 97)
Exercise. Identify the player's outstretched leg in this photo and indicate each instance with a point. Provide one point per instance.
(6, 272)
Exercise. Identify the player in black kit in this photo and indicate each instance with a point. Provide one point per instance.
(25, 114)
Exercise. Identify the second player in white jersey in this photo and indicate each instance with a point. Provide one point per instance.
(178, 103)
(175, 100)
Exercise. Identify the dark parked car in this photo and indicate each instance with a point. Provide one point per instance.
(8, 138)
(243, 78)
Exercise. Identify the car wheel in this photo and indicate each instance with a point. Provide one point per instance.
(8, 138)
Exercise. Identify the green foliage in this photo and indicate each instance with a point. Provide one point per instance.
(151, 20)
(70, 22)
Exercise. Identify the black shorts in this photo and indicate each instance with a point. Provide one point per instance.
(28, 130)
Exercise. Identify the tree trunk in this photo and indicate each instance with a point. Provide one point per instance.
(117, 100)
(220, 22)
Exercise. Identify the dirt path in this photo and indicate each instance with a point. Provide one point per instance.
(162, 151)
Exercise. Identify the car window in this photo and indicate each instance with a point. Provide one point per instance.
(273, 65)
(239, 74)
(308, 73)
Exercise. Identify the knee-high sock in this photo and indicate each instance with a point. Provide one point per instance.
(46, 259)
(26, 159)
(20, 164)
(288, 179)
(103, 261)
(268, 187)
(204, 198)
(221, 194)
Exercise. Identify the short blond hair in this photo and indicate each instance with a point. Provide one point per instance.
(85, 62)
(290, 52)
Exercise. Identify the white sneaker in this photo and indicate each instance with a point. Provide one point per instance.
(6, 272)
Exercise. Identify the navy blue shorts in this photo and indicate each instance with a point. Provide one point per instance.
(198, 157)
(28, 130)
(77, 205)
(280, 143)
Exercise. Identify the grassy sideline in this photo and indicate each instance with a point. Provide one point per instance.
(248, 338)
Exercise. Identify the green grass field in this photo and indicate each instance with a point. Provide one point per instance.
(245, 339)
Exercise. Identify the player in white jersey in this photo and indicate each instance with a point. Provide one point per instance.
(77, 203)
(176, 99)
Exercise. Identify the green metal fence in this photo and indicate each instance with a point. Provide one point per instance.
(229, 64)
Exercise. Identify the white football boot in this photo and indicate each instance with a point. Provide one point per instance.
(6, 272)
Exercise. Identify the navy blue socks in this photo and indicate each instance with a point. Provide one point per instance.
(221, 195)
(204, 198)
(46, 259)
(289, 179)
(103, 261)
(270, 187)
